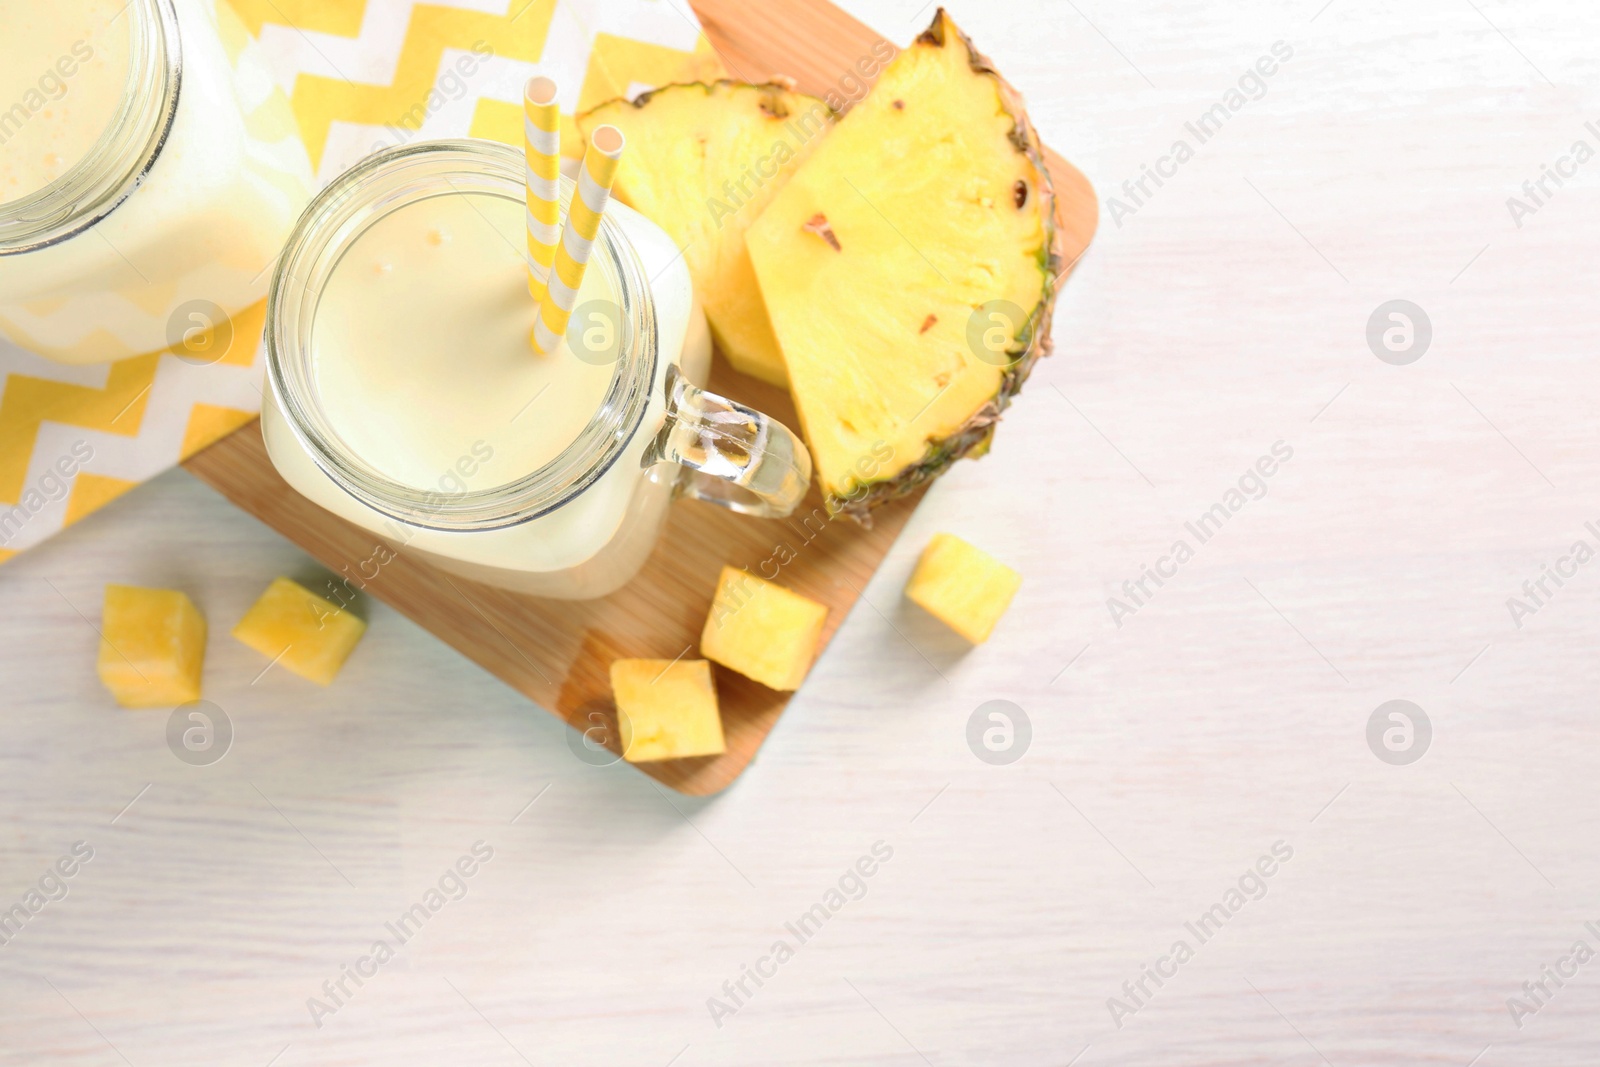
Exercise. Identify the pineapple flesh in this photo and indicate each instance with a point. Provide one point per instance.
(762, 630)
(301, 631)
(666, 709)
(909, 270)
(152, 646)
(702, 162)
(962, 586)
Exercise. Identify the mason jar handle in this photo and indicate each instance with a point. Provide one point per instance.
(731, 455)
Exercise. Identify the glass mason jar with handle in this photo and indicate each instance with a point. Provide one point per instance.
(405, 396)
(149, 171)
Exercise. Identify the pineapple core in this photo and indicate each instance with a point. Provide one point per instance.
(300, 630)
(963, 587)
(152, 646)
(762, 630)
(666, 709)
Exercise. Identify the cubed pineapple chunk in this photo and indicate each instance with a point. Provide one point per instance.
(666, 709)
(963, 587)
(298, 629)
(762, 630)
(152, 646)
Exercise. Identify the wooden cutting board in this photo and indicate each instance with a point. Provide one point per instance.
(559, 652)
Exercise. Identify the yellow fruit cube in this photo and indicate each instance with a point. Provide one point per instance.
(152, 645)
(306, 633)
(963, 587)
(762, 630)
(666, 709)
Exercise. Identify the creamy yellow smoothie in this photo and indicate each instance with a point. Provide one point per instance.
(408, 399)
(420, 350)
(63, 70)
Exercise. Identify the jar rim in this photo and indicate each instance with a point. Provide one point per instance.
(117, 163)
(378, 185)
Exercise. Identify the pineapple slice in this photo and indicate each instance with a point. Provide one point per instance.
(762, 630)
(152, 646)
(702, 162)
(909, 270)
(963, 587)
(304, 632)
(666, 709)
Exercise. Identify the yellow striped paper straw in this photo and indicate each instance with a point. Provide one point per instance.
(577, 237)
(541, 135)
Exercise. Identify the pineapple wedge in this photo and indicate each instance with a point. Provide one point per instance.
(152, 646)
(666, 709)
(702, 162)
(909, 269)
(300, 630)
(762, 630)
(963, 587)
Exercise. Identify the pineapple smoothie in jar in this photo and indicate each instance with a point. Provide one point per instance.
(406, 396)
(149, 171)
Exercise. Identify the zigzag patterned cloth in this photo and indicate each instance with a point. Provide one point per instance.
(359, 75)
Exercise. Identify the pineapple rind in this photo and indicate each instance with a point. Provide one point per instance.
(974, 437)
(857, 493)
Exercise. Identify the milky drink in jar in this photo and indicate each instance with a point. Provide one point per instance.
(406, 396)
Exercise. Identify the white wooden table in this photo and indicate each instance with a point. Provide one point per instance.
(1227, 713)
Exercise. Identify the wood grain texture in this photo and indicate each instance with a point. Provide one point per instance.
(558, 652)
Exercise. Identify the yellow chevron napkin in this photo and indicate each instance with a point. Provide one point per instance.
(359, 75)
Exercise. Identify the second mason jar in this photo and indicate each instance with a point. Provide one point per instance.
(149, 172)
